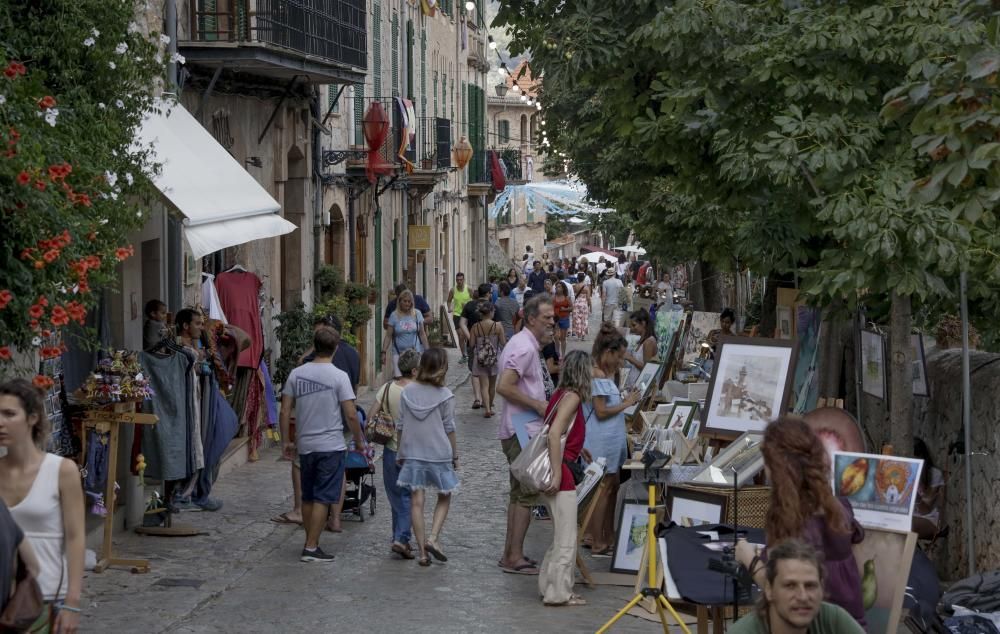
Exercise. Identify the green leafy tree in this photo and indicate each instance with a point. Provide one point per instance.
(76, 78)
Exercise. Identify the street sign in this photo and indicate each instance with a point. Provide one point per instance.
(419, 237)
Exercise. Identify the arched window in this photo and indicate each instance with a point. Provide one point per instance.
(503, 131)
(524, 129)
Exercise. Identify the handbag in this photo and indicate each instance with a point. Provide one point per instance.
(382, 428)
(532, 467)
(25, 605)
(576, 469)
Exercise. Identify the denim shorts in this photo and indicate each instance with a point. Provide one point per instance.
(322, 476)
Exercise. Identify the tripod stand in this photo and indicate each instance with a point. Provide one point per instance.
(652, 589)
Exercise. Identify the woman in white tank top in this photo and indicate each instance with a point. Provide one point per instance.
(45, 497)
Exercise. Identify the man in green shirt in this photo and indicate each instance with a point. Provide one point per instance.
(792, 602)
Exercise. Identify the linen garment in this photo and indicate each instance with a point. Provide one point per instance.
(555, 575)
(238, 295)
(607, 437)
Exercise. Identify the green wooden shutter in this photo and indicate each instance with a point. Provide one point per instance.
(409, 60)
(359, 114)
(503, 131)
(435, 93)
(377, 50)
(423, 70)
(331, 95)
(395, 54)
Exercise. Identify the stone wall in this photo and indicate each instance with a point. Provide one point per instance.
(938, 420)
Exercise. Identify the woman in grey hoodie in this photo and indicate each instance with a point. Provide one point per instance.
(427, 450)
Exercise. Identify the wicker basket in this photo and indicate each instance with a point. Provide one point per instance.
(754, 502)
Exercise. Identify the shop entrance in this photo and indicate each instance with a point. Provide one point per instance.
(292, 249)
(336, 235)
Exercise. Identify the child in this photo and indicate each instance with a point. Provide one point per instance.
(154, 328)
(323, 399)
(427, 448)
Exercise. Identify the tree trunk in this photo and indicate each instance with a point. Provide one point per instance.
(769, 307)
(901, 376)
(711, 284)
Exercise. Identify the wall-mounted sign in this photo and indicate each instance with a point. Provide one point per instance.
(419, 237)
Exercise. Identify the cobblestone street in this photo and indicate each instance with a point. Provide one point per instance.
(245, 576)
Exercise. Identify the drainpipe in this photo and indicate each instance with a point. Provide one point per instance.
(350, 235)
(317, 155)
(170, 28)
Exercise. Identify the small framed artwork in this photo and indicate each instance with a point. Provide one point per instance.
(920, 385)
(694, 508)
(783, 328)
(633, 529)
(750, 386)
(191, 272)
(742, 459)
(873, 364)
(681, 416)
(646, 380)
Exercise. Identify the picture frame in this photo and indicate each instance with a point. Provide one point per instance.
(744, 454)
(191, 269)
(882, 489)
(687, 507)
(784, 323)
(646, 380)
(701, 324)
(921, 386)
(681, 415)
(750, 386)
(873, 364)
(630, 542)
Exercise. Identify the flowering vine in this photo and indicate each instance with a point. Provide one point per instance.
(70, 185)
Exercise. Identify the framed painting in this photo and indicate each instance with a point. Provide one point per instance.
(701, 324)
(743, 456)
(694, 508)
(750, 387)
(647, 379)
(631, 540)
(784, 322)
(873, 364)
(882, 489)
(884, 559)
(681, 416)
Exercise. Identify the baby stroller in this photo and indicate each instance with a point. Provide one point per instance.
(359, 472)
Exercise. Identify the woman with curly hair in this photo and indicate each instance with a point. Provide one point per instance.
(803, 507)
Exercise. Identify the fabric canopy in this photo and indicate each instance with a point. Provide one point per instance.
(222, 204)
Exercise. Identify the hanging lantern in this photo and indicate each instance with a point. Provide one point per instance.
(462, 153)
(375, 126)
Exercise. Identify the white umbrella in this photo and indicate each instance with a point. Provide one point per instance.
(596, 257)
(631, 248)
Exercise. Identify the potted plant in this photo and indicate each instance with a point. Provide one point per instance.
(427, 162)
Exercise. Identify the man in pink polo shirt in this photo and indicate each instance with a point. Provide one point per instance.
(525, 386)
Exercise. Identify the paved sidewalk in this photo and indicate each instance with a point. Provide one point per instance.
(244, 575)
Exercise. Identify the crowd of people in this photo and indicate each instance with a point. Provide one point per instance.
(513, 335)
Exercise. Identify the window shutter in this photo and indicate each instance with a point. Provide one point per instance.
(395, 54)
(359, 114)
(409, 60)
(423, 71)
(377, 50)
(331, 95)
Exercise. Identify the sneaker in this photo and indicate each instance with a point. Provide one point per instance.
(315, 555)
(208, 504)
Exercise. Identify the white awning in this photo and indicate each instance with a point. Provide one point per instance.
(222, 204)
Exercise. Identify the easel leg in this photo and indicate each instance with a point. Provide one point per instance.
(582, 529)
(628, 606)
(109, 501)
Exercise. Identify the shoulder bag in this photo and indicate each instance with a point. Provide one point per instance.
(532, 467)
(25, 605)
(382, 428)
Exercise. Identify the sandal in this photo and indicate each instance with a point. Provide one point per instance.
(403, 550)
(434, 550)
(424, 561)
(476, 404)
(574, 600)
(284, 519)
(488, 414)
(521, 569)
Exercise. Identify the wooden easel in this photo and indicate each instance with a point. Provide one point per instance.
(110, 420)
(581, 530)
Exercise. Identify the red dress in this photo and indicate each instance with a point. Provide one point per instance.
(238, 294)
(574, 442)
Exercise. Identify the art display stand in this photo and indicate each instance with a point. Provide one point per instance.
(581, 529)
(110, 419)
(686, 451)
(652, 588)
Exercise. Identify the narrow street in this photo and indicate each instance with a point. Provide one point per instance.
(245, 576)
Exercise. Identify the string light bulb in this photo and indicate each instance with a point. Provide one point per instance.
(493, 45)
(524, 97)
(470, 6)
(515, 88)
(538, 105)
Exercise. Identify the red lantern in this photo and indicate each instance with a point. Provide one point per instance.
(376, 130)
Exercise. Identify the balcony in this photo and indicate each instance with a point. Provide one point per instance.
(433, 147)
(322, 41)
(481, 169)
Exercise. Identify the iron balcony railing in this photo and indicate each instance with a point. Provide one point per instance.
(334, 30)
(433, 145)
(481, 167)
